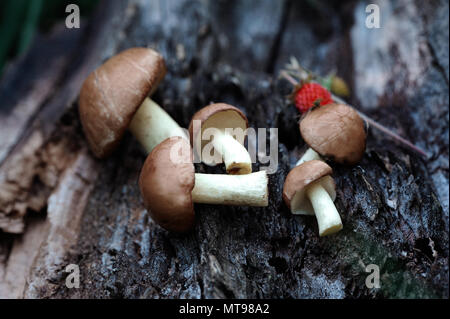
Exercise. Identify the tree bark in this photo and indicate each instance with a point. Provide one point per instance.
(60, 206)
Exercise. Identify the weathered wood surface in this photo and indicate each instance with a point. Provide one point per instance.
(59, 206)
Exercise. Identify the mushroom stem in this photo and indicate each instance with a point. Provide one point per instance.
(151, 125)
(327, 216)
(309, 155)
(246, 190)
(235, 156)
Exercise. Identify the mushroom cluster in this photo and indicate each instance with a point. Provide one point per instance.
(115, 97)
(334, 132)
(170, 186)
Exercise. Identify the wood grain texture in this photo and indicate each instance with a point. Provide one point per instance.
(394, 205)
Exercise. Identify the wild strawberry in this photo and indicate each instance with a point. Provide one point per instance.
(311, 94)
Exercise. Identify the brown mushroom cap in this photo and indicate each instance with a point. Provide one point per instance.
(112, 94)
(220, 116)
(166, 185)
(335, 131)
(294, 189)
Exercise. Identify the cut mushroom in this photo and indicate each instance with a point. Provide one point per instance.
(114, 97)
(170, 186)
(335, 132)
(222, 119)
(246, 190)
(310, 190)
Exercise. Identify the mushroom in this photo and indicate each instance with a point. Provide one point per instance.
(310, 190)
(169, 186)
(222, 119)
(114, 97)
(334, 131)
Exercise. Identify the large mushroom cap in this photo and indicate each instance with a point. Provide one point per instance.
(112, 94)
(335, 131)
(219, 115)
(294, 189)
(166, 182)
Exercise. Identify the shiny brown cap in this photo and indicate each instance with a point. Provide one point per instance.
(297, 181)
(166, 182)
(335, 131)
(112, 94)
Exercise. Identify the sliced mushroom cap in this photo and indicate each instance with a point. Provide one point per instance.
(299, 178)
(335, 131)
(220, 116)
(166, 185)
(112, 94)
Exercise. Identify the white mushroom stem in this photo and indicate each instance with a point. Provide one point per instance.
(245, 190)
(235, 156)
(151, 125)
(309, 155)
(327, 216)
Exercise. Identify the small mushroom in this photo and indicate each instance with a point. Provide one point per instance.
(170, 186)
(221, 118)
(334, 131)
(114, 97)
(310, 190)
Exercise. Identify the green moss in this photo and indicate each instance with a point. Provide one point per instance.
(396, 280)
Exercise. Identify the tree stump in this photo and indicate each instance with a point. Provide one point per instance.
(60, 206)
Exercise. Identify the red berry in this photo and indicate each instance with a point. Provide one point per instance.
(311, 94)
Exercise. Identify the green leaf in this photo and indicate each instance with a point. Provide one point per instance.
(325, 82)
(30, 25)
(10, 24)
